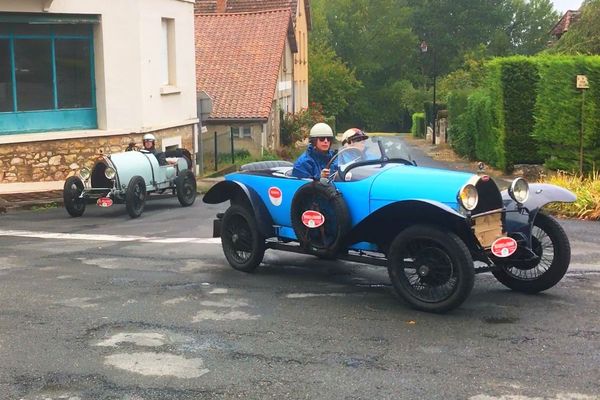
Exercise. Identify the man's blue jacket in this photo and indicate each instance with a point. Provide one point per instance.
(311, 162)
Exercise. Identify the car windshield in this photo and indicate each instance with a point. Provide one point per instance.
(375, 148)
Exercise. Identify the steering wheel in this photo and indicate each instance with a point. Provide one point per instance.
(336, 155)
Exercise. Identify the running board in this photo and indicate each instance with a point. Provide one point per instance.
(295, 248)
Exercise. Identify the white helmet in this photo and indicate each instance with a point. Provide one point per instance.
(353, 135)
(149, 136)
(320, 130)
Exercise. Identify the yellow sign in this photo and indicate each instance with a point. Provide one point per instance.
(582, 82)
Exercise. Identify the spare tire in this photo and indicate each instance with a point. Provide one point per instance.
(320, 219)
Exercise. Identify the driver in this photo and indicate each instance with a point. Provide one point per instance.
(353, 146)
(149, 141)
(312, 163)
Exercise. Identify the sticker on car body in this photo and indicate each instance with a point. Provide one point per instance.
(104, 202)
(313, 219)
(504, 247)
(275, 196)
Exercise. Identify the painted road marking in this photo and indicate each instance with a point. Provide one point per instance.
(107, 238)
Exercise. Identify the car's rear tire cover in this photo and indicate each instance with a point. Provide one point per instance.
(326, 240)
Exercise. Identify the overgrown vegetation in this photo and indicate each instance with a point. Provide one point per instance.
(587, 189)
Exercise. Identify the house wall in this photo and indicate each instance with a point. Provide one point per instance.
(130, 96)
(301, 59)
(223, 138)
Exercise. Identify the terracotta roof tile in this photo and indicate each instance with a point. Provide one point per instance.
(238, 6)
(570, 17)
(238, 58)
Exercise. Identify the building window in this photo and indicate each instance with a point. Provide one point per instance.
(46, 77)
(168, 59)
(241, 132)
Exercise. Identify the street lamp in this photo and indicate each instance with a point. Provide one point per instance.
(424, 49)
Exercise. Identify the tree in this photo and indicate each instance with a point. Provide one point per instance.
(530, 25)
(332, 83)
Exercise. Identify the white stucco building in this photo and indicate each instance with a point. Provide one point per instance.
(78, 77)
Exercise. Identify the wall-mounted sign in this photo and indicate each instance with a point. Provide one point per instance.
(582, 82)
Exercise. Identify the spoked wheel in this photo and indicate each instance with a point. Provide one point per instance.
(551, 244)
(72, 190)
(243, 244)
(186, 188)
(430, 268)
(135, 196)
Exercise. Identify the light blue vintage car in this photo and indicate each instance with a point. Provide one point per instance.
(129, 178)
(433, 229)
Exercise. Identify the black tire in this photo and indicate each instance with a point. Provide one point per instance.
(72, 190)
(551, 244)
(430, 268)
(324, 241)
(185, 185)
(243, 244)
(135, 196)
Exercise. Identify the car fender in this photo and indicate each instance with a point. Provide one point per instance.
(239, 193)
(540, 194)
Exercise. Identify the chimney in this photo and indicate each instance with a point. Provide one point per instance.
(221, 6)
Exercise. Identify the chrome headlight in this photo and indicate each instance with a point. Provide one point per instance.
(109, 173)
(84, 174)
(519, 190)
(468, 197)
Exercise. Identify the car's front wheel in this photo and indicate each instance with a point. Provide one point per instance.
(135, 196)
(186, 188)
(551, 244)
(243, 244)
(74, 204)
(430, 268)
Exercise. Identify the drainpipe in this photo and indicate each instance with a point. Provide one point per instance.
(263, 140)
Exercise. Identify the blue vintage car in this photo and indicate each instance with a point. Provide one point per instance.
(433, 229)
(129, 177)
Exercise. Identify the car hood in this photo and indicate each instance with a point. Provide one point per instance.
(408, 182)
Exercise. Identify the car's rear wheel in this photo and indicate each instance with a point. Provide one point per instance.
(430, 268)
(551, 244)
(186, 188)
(135, 196)
(74, 204)
(243, 244)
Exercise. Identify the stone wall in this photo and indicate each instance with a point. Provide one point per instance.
(55, 160)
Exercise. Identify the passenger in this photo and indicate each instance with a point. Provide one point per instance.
(311, 164)
(353, 146)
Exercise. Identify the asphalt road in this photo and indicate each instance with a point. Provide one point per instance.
(114, 308)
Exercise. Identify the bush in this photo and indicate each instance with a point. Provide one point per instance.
(418, 125)
(296, 126)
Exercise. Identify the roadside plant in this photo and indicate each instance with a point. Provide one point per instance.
(587, 189)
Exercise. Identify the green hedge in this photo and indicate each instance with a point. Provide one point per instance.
(530, 111)
(558, 112)
(460, 136)
(418, 125)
